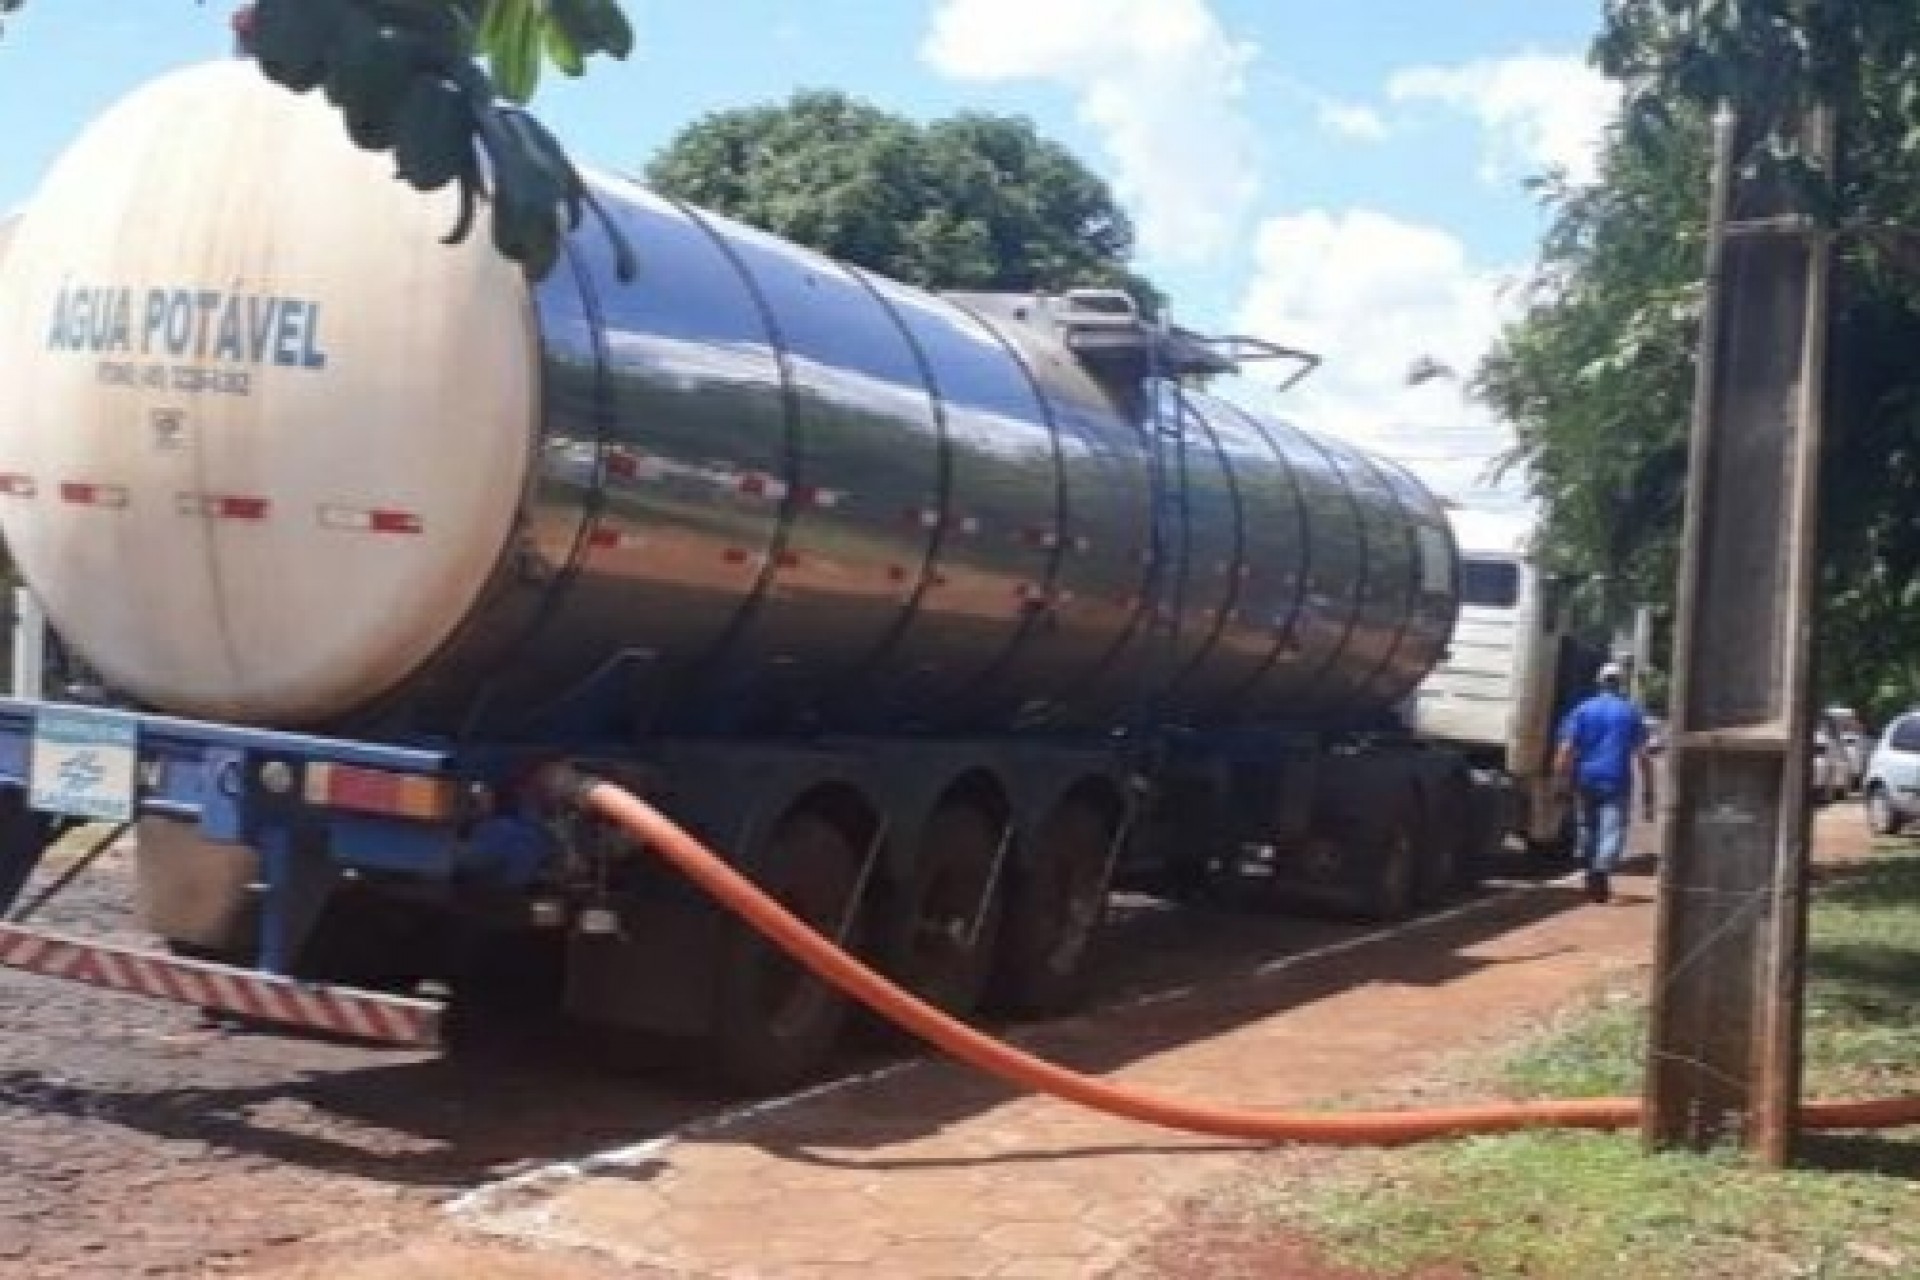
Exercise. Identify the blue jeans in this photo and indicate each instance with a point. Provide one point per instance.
(1603, 830)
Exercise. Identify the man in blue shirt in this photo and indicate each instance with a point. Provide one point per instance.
(1599, 742)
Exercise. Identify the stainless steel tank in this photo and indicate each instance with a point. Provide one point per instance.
(270, 453)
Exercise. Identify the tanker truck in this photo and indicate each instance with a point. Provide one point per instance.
(941, 615)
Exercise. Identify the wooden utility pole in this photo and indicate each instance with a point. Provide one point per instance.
(1724, 1043)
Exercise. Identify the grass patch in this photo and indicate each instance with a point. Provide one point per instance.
(1581, 1206)
(1585, 1206)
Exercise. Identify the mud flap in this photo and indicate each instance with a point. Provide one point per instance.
(656, 975)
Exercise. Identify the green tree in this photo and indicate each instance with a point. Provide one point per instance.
(1597, 376)
(973, 201)
(407, 78)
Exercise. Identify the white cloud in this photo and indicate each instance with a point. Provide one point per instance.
(1538, 111)
(1352, 120)
(1160, 80)
(1373, 295)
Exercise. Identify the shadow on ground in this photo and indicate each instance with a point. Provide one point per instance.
(527, 1091)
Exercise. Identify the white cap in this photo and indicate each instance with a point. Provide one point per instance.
(1611, 672)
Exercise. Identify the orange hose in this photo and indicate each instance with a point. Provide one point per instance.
(1355, 1128)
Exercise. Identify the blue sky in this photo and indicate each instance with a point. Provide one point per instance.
(1346, 176)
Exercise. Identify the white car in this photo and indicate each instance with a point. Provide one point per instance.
(1893, 776)
(1846, 724)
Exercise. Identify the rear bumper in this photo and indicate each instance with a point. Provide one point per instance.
(340, 1011)
(307, 811)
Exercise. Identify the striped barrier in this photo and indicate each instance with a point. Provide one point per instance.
(343, 1011)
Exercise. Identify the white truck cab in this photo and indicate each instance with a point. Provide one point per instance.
(1512, 670)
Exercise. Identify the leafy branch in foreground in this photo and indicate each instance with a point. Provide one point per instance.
(406, 77)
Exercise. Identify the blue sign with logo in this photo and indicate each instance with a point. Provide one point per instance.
(84, 765)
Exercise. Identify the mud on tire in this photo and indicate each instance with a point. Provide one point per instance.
(950, 920)
(1056, 905)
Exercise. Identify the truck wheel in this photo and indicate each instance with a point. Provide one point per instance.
(952, 918)
(774, 1024)
(1561, 846)
(1482, 838)
(1366, 861)
(1445, 835)
(1391, 865)
(1054, 912)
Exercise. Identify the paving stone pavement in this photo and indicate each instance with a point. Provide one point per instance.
(133, 1143)
(932, 1171)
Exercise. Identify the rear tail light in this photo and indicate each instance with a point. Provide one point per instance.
(375, 791)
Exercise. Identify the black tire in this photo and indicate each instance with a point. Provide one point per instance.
(1056, 906)
(949, 923)
(1485, 835)
(775, 1025)
(1446, 837)
(1390, 884)
(362, 940)
(1563, 846)
(1368, 852)
(1882, 819)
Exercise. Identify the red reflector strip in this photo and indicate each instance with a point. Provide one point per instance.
(624, 464)
(896, 573)
(18, 486)
(813, 496)
(754, 484)
(218, 506)
(376, 521)
(94, 495)
(366, 1015)
(788, 560)
(394, 522)
(398, 795)
(606, 537)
